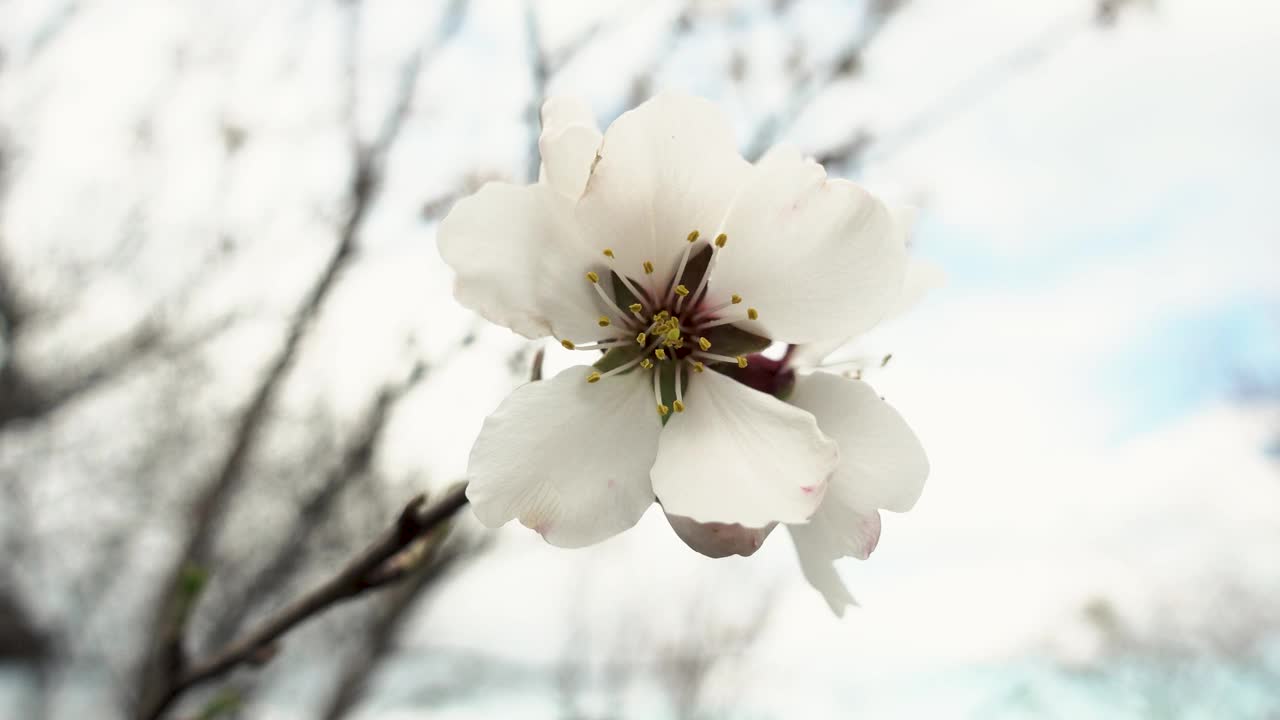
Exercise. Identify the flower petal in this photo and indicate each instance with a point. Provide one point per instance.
(882, 464)
(521, 262)
(834, 531)
(737, 455)
(717, 540)
(820, 259)
(568, 144)
(666, 168)
(568, 458)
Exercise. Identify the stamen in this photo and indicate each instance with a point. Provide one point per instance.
(634, 290)
(601, 345)
(720, 242)
(734, 300)
(697, 366)
(684, 260)
(648, 268)
(679, 403)
(624, 367)
(663, 410)
(635, 307)
(712, 357)
(704, 343)
(752, 314)
(567, 345)
(594, 377)
(646, 363)
(641, 338)
(604, 320)
(593, 277)
(660, 354)
(608, 252)
(657, 393)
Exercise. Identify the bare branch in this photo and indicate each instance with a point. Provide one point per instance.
(289, 558)
(422, 576)
(165, 657)
(367, 571)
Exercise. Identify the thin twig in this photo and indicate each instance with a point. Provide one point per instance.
(378, 565)
(165, 659)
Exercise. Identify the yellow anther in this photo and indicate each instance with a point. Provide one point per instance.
(721, 239)
(603, 321)
(677, 406)
(742, 361)
(567, 345)
(593, 277)
(641, 338)
(661, 316)
(735, 299)
(692, 236)
(663, 409)
(752, 314)
(646, 363)
(635, 307)
(608, 252)
(593, 377)
(699, 367)
(704, 343)
(682, 290)
(648, 268)
(660, 354)
(673, 334)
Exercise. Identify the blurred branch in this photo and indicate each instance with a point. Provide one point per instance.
(539, 72)
(165, 661)
(388, 559)
(288, 559)
(380, 636)
(846, 63)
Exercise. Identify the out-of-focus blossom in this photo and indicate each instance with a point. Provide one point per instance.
(657, 243)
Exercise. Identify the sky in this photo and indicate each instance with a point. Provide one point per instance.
(1100, 201)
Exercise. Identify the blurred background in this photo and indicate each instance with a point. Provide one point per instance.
(229, 354)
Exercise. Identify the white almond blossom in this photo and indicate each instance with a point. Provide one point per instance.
(657, 243)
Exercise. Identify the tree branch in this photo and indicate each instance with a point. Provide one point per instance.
(381, 563)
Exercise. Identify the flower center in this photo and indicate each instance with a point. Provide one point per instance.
(661, 325)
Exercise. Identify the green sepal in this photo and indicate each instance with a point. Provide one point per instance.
(622, 295)
(730, 340)
(620, 355)
(696, 267)
(667, 384)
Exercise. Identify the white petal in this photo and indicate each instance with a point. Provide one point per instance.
(568, 458)
(568, 144)
(820, 259)
(666, 168)
(919, 279)
(922, 277)
(737, 455)
(520, 261)
(834, 532)
(882, 464)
